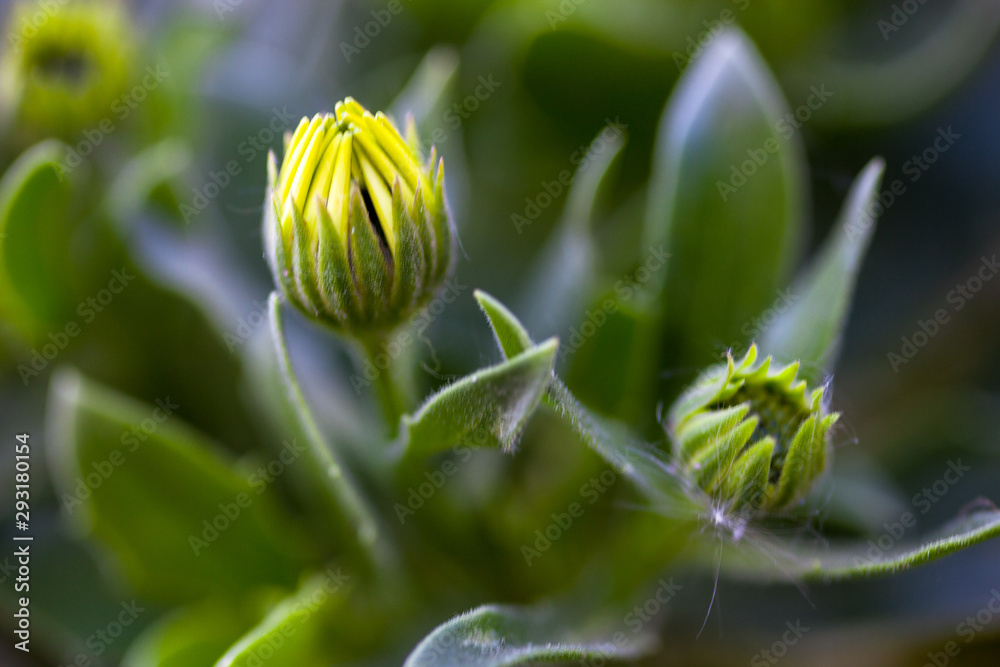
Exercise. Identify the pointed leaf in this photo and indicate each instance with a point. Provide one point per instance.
(34, 232)
(293, 634)
(184, 522)
(507, 636)
(511, 335)
(727, 197)
(564, 272)
(610, 441)
(487, 408)
(193, 637)
(810, 329)
(861, 558)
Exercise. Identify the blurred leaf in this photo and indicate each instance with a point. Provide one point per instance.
(487, 408)
(184, 522)
(505, 636)
(328, 478)
(147, 175)
(727, 197)
(193, 637)
(564, 273)
(902, 85)
(810, 329)
(610, 368)
(34, 233)
(425, 93)
(294, 633)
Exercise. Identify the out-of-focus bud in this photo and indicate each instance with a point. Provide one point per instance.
(356, 228)
(752, 437)
(64, 66)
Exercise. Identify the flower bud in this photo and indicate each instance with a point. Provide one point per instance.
(752, 437)
(64, 66)
(356, 229)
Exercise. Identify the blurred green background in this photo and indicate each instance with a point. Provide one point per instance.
(524, 88)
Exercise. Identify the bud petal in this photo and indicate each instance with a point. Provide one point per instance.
(751, 436)
(357, 231)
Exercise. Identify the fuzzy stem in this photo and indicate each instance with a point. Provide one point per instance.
(392, 390)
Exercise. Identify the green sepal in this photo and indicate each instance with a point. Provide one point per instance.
(409, 265)
(487, 408)
(716, 458)
(368, 261)
(747, 484)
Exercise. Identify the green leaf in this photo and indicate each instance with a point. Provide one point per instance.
(860, 559)
(732, 238)
(325, 475)
(486, 409)
(149, 174)
(608, 440)
(426, 92)
(564, 273)
(184, 522)
(902, 83)
(510, 334)
(194, 637)
(294, 633)
(810, 329)
(34, 228)
(505, 636)
(848, 563)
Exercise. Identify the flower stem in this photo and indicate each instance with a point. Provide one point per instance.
(392, 390)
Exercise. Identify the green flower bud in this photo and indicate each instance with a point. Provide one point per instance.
(750, 436)
(356, 229)
(64, 66)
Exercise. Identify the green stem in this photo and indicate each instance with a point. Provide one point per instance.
(345, 498)
(392, 391)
